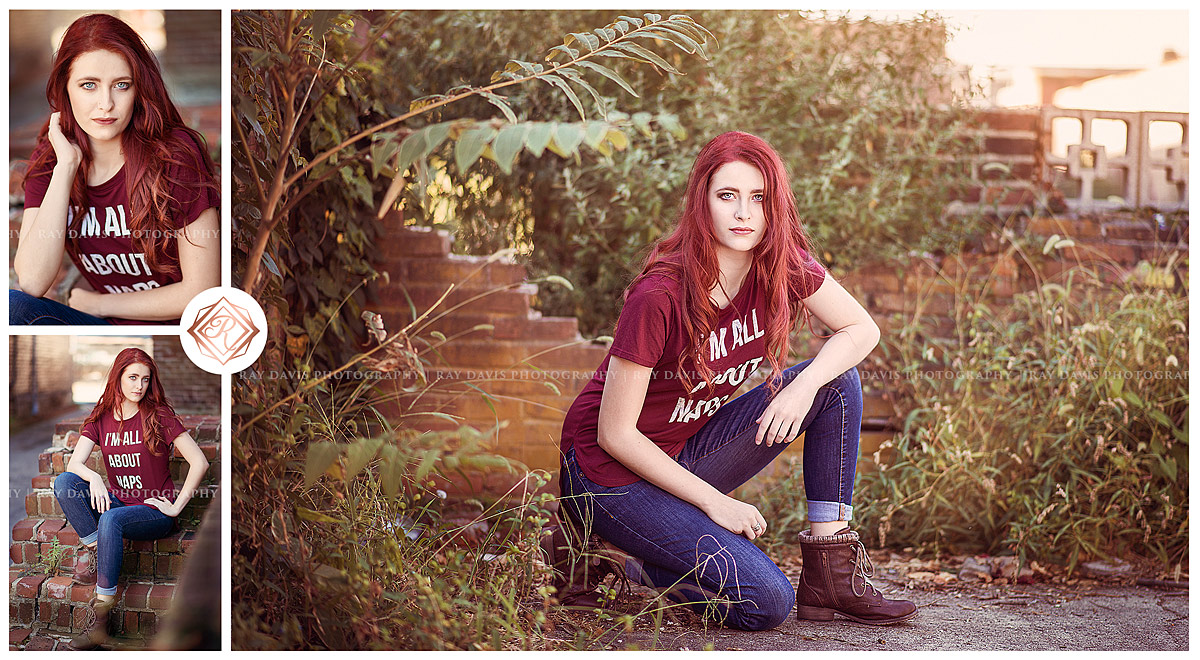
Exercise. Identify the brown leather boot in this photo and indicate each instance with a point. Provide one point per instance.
(95, 627)
(85, 566)
(578, 565)
(834, 582)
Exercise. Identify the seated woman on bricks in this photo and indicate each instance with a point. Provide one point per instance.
(120, 185)
(652, 447)
(137, 432)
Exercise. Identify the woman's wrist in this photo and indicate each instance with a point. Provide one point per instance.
(66, 167)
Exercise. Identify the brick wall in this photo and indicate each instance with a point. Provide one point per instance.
(47, 357)
(191, 389)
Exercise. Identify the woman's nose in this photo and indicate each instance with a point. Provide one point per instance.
(106, 100)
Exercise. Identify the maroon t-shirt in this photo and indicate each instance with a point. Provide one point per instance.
(135, 474)
(107, 258)
(649, 332)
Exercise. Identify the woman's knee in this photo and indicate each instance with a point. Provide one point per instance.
(109, 525)
(769, 604)
(67, 485)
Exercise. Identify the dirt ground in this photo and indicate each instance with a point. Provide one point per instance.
(1048, 612)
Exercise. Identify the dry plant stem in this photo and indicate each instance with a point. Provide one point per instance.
(342, 368)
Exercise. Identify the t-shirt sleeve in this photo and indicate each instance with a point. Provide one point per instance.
(808, 279)
(91, 430)
(191, 197)
(643, 327)
(36, 184)
(171, 427)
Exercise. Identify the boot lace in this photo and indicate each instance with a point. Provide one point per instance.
(863, 569)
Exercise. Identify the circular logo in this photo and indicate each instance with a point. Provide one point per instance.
(223, 330)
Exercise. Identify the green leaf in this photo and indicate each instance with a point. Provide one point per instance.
(469, 146)
(320, 456)
(590, 41)
(420, 144)
(562, 84)
(671, 123)
(641, 121)
(618, 139)
(637, 22)
(595, 134)
(573, 76)
(359, 454)
(567, 138)
(621, 26)
(607, 34)
(391, 470)
(383, 147)
(316, 516)
(508, 144)
(426, 464)
(683, 41)
(652, 18)
(571, 53)
(608, 73)
(502, 103)
(538, 137)
(642, 53)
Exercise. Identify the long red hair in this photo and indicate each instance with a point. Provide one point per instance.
(154, 402)
(689, 253)
(155, 140)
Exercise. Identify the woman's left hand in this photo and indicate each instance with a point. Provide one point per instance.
(780, 421)
(84, 301)
(166, 506)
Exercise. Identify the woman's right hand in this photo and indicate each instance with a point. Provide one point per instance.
(99, 494)
(66, 151)
(738, 517)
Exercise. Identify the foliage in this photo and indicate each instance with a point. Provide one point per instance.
(331, 469)
(52, 556)
(1054, 427)
(861, 111)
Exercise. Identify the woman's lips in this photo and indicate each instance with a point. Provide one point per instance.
(742, 231)
(106, 122)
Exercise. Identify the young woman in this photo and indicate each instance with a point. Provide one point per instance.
(136, 429)
(119, 184)
(652, 447)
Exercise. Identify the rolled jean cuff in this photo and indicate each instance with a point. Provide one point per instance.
(90, 538)
(106, 591)
(829, 511)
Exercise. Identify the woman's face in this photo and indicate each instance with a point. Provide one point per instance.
(100, 87)
(735, 201)
(135, 382)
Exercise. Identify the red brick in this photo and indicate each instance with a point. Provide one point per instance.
(176, 566)
(19, 635)
(49, 530)
(145, 564)
(56, 462)
(43, 481)
(68, 536)
(24, 529)
(130, 621)
(161, 595)
(44, 611)
(61, 615)
(136, 596)
(169, 544)
(16, 553)
(31, 507)
(24, 612)
(147, 623)
(82, 593)
(186, 544)
(57, 587)
(72, 439)
(48, 505)
(141, 546)
(27, 587)
(44, 463)
(40, 643)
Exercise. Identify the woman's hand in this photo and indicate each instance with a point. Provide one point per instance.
(67, 152)
(737, 517)
(99, 495)
(781, 420)
(166, 506)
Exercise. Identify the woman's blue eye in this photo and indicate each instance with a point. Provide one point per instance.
(124, 85)
(758, 197)
(88, 85)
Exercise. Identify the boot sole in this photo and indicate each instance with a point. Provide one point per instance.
(807, 613)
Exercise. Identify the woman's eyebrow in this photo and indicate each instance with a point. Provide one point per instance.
(92, 78)
(734, 189)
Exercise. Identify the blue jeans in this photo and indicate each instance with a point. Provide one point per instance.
(108, 529)
(24, 309)
(695, 560)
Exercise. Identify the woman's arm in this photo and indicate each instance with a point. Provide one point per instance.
(620, 406)
(855, 335)
(199, 264)
(43, 236)
(197, 466)
(77, 465)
